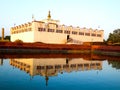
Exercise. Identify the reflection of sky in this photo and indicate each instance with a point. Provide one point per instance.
(105, 79)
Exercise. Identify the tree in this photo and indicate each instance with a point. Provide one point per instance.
(18, 42)
(114, 37)
(7, 38)
(114, 63)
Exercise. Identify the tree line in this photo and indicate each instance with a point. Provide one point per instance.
(114, 38)
(6, 38)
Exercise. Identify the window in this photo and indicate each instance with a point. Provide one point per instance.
(81, 33)
(98, 35)
(41, 29)
(59, 31)
(93, 34)
(87, 34)
(16, 32)
(67, 32)
(74, 32)
(50, 30)
(29, 29)
(12, 32)
(19, 31)
(25, 30)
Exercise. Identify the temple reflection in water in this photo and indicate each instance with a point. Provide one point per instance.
(52, 66)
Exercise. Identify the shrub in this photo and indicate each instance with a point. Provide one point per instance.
(18, 42)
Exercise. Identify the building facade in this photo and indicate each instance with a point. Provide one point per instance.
(50, 31)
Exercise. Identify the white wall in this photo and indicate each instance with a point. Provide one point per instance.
(86, 38)
(49, 37)
(25, 37)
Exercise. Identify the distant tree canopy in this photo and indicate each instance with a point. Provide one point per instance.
(6, 38)
(114, 37)
(115, 64)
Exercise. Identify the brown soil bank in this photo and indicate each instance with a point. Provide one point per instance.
(106, 48)
(59, 47)
(14, 45)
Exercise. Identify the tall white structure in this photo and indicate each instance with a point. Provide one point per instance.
(50, 31)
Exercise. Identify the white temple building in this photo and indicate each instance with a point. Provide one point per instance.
(52, 32)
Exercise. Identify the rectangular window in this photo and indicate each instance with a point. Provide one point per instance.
(81, 33)
(20, 31)
(25, 30)
(93, 34)
(41, 29)
(30, 29)
(74, 32)
(67, 32)
(16, 31)
(87, 34)
(98, 35)
(59, 31)
(50, 30)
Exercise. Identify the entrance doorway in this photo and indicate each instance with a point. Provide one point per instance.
(68, 37)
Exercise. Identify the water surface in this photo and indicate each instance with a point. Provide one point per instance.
(59, 73)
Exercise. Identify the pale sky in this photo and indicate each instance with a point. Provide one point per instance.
(83, 13)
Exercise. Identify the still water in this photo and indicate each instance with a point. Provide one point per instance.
(59, 73)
